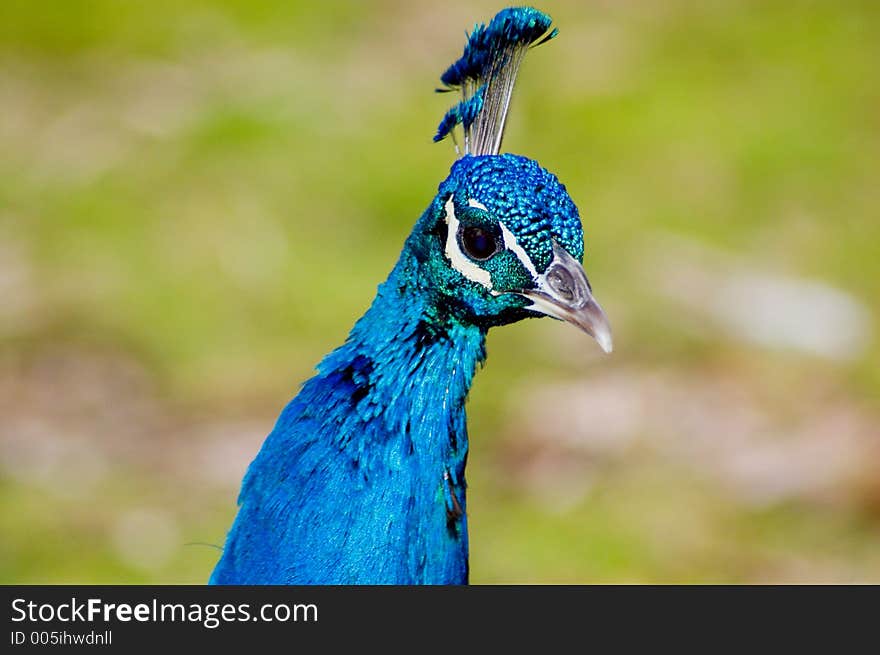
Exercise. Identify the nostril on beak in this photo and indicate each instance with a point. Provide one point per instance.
(561, 282)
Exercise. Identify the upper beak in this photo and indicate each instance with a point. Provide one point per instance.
(563, 292)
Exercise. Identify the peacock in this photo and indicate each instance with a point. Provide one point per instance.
(362, 479)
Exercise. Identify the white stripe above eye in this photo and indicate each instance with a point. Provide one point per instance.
(513, 246)
(459, 262)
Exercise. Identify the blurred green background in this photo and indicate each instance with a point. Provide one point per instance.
(197, 200)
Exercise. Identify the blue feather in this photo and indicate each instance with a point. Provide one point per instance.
(465, 112)
(511, 27)
(488, 67)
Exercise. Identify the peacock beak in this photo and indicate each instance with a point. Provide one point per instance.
(564, 292)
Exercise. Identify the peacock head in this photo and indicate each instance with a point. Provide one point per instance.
(503, 239)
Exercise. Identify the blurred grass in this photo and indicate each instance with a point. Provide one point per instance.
(217, 188)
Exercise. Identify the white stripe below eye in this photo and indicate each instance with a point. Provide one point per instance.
(459, 262)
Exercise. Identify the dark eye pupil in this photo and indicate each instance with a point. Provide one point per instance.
(478, 243)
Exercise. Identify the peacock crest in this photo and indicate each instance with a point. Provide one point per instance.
(485, 75)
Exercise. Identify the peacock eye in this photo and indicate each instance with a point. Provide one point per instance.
(477, 242)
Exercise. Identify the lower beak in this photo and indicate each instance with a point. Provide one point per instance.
(563, 292)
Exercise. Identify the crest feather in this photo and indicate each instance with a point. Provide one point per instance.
(485, 74)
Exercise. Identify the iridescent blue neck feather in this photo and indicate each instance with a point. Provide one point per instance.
(362, 479)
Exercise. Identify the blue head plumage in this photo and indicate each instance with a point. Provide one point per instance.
(362, 479)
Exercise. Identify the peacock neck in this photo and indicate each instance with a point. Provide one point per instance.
(405, 369)
(362, 479)
(411, 363)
